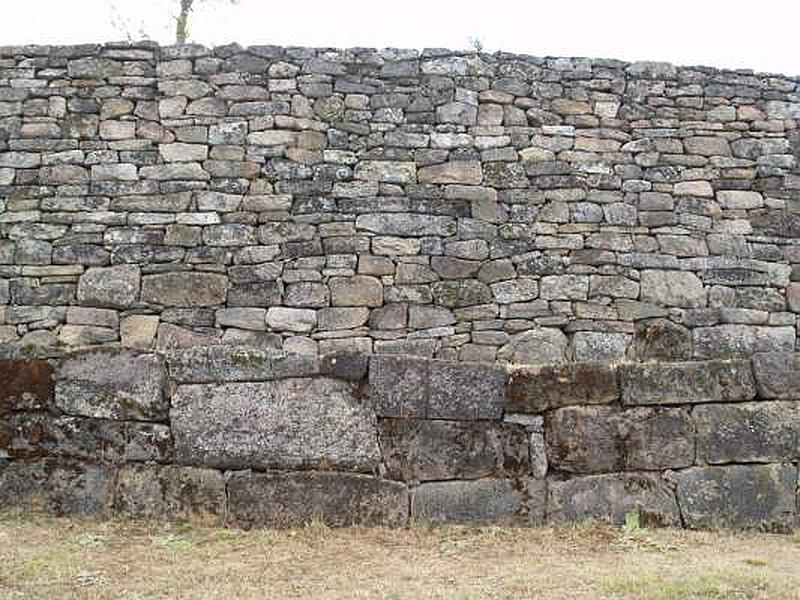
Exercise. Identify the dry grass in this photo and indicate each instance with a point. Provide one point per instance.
(44, 557)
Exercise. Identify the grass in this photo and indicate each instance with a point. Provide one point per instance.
(45, 557)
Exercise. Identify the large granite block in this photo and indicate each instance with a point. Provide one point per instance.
(536, 389)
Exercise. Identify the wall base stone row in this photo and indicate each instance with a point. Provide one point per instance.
(253, 437)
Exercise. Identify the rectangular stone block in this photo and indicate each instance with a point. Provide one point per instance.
(687, 382)
(298, 423)
(436, 389)
(758, 497)
(57, 487)
(541, 388)
(777, 375)
(611, 497)
(25, 385)
(295, 499)
(495, 501)
(423, 450)
(171, 492)
(602, 439)
(748, 432)
(110, 383)
(222, 363)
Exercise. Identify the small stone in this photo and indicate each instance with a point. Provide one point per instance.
(180, 152)
(358, 290)
(187, 288)
(243, 318)
(537, 346)
(461, 172)
(114, 287)
(291, 319)
(138, 331)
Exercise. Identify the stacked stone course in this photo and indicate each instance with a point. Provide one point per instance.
(250, 437)
(442, 204)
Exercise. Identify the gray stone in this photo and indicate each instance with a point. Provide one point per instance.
(600, 346)
(291, 319)
(295, 423)
(112, 384)
(114, 287)
(424, 450)
(404, 224)
(738, 496)
(209, 364)
(357, 290)
(342, 318)
(296, 499)
(564, 287)
(747, 432)
(724, 341)
(422, 316)
(243, 318)
(673, 288)
(493, 501)
(537, 346)
(386, 171)
(186, 288)
(611, 497)
(660, 339)
(687, 382)
(777, 375)
(463, 172)
(461, 293)
(435, 389)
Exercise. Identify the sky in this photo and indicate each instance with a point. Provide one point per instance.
(763, 36)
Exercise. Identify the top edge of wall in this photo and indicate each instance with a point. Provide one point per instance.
(645, 69)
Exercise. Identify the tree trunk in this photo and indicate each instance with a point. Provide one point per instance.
(182, 22)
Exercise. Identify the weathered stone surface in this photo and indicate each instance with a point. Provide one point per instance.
(188, 288)
(748, 432)
(358, 290)
(291, 319)
(537, 389)
(461, 293)
(537, 346)
(405, 387)
(687, 382)
(741, 496)
(601, 439)
(673, 288)
(114, 287)
(425, 450)
(611, 497)
(293, 423)
(725, 341)
(661, 340)
(295, 499)
(777, 375)
(222, 363)
(171, 492)
(57, 487)
(25, 385)
(463, 172)
(599, 346)
(403, 224)
(480, 501)
(112, 384)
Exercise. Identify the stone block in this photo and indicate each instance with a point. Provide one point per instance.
(758, 497)
(425, 450)
(112, 384)
(727, 341)
(300, 320)
(358, 290)
(748, 432)
(687, 382)
(611, 497)
(673, 288)
(296, 499)
(57, 487)
(223, 363)
(171, 492)
(26, 385)
(537, 346)
(541, 388)
(459, 172)
(297, 423)
(777, 375)
(494, 501)
(601, 439)
(113, 287)
(186, 288)
(406, 387)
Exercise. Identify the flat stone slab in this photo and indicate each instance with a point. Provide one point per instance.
(759, 497)
(424, 450)
(536, 389)
(777, 375)
(171, 492)
(481, 501)
(748, 432)
(57, 487)
(111, 383)
(436, 389)
(687, 382)
(300, 423)
(610, 497)
(222, 363)
(602, 439)
(295, 499)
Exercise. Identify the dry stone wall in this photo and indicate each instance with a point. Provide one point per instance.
(250, 437)
(441, 204)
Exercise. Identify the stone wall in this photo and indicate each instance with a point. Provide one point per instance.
(250, 437)
(451, 205)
